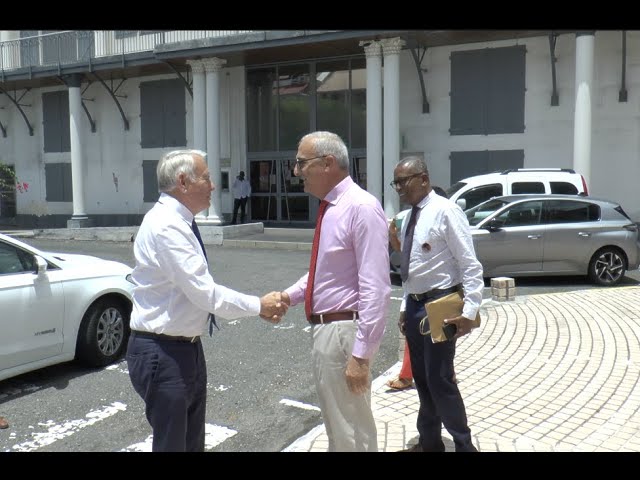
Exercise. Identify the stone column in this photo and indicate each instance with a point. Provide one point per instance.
(372, 50)
(391, 50)
(76, 124)
(582, 117)
(212, 67)
(199, 114)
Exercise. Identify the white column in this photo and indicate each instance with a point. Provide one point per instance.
(391, 50)
(212, 67)
(76, 121)
(372, 50)
(582, 116)
(199, 113)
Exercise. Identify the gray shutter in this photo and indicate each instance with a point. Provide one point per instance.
(50, 122)
(504, 159)
(149, 181)
(151, 112)
(53, 182)
(506, 88)
(467, 164)
(468, 92)
(67, 182)
(65, 123)
(175, 112)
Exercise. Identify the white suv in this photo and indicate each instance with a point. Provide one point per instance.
(471, 191)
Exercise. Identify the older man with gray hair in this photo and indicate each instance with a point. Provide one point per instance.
(173, 298)
(346, 291)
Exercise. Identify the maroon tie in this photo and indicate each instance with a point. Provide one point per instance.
(308, 294)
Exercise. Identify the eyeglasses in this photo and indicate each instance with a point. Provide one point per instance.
(300, 162)
(402, 182)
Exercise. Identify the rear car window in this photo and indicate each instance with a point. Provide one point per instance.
(568, 212)
(527, 187)
(563, 188)
(480, 194)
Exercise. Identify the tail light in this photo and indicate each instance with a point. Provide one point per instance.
(584, 185)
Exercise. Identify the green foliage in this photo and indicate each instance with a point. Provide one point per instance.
(7, 179)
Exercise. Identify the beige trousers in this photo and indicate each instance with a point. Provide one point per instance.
(347, 417)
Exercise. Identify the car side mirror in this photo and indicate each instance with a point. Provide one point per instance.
(462, 202)
(41, 265)
(493, 225)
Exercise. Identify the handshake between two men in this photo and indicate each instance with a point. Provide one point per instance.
(273, 306)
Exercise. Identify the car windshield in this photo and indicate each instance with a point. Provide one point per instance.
(478, 213)
(454, 188)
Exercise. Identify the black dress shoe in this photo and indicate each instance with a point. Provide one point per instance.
(415, 448)
(419, 448)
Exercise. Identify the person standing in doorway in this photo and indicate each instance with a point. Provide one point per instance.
(241, 193)
(346, 292)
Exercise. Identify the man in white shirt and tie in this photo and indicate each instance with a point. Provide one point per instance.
(241, 193)
(173, 296)
(438, 258)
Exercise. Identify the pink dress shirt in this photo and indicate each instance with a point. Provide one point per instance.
(352, 271)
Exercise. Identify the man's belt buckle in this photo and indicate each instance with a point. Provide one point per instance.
(416, 296)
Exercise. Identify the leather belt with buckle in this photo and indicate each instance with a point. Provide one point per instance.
(434, 294)
(162, 336)
(333, 317)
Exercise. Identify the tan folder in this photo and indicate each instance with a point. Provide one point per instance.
(449, 306)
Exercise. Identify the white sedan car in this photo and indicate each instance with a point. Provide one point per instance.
(59, 307)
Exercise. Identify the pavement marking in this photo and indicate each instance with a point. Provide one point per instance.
(214, 435)
(56, 432)
(294, 403)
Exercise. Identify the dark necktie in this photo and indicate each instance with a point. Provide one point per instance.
(308, 293)
(406, 245)
(196, 231)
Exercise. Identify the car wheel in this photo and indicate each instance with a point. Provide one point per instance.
(103, 333)
(607, 266)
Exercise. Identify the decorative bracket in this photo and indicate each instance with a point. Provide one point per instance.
(84, 107)
(416, 50)
(622, 95)
(186, 82)
(15, 102)
(555, 101)
(112, 92)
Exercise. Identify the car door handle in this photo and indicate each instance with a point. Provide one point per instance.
(534, 237)
(584, 234)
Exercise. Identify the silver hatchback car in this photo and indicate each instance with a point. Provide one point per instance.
(540, 235)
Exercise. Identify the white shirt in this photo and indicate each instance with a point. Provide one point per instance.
(241, 188)
(174, 290)
(442, 253)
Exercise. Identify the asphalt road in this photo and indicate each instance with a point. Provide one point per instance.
(260, 390)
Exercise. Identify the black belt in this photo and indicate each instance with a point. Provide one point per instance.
(162, 336)
(333, 317)
(434, 294)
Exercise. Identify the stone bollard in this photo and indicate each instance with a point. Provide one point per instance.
(503, 288)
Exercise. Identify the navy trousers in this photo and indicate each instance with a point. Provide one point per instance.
(440, 399)
(171, 378)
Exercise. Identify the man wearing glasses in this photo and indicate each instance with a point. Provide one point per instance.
(346, 291)
(438, 259)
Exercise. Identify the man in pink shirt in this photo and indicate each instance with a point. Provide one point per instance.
(347, 291)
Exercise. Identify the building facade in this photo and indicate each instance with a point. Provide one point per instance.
(85, 115)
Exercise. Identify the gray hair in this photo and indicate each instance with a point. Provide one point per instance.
(173, 164)
(328, 143)
(415, 163)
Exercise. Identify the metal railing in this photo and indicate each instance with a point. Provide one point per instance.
(79, 46)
